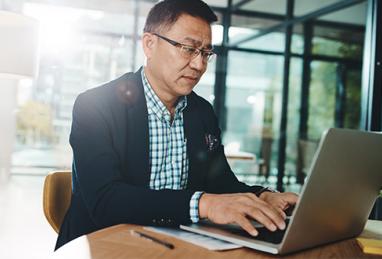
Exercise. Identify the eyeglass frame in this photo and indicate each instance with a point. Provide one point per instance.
(196, 53)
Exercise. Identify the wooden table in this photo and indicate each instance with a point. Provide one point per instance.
(117, 242)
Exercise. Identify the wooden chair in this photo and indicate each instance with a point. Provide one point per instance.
(56, 197)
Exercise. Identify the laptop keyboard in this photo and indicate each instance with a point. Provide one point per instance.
(264, 234)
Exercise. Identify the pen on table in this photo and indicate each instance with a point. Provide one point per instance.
(154, 239)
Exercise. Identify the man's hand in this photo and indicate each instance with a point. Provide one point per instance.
(279, 201)
(239, 208)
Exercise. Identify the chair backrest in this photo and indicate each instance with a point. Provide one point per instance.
(56, 197)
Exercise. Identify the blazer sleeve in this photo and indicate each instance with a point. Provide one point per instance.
(220, 177)
(108, 198)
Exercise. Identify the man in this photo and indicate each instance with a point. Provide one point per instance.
(147, 149)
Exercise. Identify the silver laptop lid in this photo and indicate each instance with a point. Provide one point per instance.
(344, 181)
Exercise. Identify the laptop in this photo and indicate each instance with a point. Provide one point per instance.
(343, 183)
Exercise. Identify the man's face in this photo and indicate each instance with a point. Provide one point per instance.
(174, 74)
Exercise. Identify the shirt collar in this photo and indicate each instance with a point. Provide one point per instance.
(155, 105)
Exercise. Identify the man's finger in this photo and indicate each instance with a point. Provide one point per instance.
(273, 214)
(251, 196)
(282, 213)
(290, 197)
(259, 203)
(260, 217)
(245, 224)
(255, 212)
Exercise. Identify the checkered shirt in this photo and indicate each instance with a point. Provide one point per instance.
(168, 147)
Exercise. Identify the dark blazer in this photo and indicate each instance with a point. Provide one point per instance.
(111, 173)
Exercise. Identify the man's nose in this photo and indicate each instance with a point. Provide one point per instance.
(198, 63)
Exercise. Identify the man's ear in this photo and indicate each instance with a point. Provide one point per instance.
(148, 44)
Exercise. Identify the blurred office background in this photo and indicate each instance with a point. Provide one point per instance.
(286, 70)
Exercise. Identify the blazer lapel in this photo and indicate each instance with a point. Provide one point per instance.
(196, 149)
(137, 141)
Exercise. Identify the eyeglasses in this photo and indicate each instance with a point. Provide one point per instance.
(189, 52)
